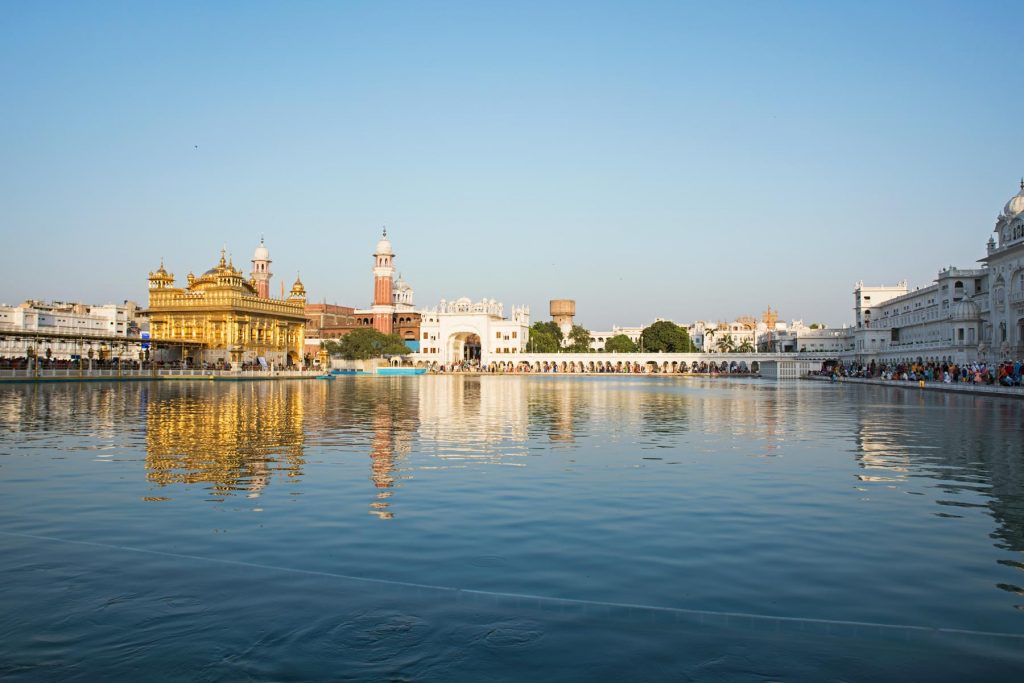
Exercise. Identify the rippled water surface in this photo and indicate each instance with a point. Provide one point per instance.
(509, 528)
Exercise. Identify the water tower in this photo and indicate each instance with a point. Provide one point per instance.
(562, 312)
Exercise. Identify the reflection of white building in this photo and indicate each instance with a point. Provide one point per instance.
(496, 407)
(462, 330)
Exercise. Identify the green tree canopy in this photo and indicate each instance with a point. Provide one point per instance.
(542, 341)
(369, 343)
(666, 336)
(579, 339)
(332, 346)
(620, 343)
(551, 327)
(746, 347)
(725, 343)
(545, 337)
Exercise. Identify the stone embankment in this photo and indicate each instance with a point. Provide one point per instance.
(106, 375)
(973, 389)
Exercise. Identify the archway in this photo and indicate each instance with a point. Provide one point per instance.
(464, 346)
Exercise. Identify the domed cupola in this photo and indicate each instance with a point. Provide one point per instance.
(161, 279)
(298, 289)
(261, 253)
(384, 245)
(1016, 203)
(966, 310)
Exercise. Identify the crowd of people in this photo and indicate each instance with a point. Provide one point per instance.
(1007, 373)
(24, 363)
(573, 367)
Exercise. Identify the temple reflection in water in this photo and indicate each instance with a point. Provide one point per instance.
(234, 436)
(237, 437)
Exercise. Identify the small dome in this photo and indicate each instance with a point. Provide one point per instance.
(1016, 203)
(261, 253)
(298, 288)
(966, 310)
(384, 245)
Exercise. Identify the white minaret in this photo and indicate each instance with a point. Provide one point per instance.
(261, 270)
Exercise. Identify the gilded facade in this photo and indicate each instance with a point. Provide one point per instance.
(220, 317)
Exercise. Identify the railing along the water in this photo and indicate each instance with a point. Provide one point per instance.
(160, 373)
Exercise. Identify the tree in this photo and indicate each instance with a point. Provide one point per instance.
(620, 343)
(544, 338)
(746, 347)
(817, 326)
(550, 327)
(331, 346)
(579, 339)
(666, 336)
(725, 343)
(369, 343)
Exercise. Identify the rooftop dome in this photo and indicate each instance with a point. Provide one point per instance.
(261, 253)
(966, 310)
(384, 245)
(1016, 203)
(298, 289)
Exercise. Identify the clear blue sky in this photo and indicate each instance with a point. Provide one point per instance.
(647, 159)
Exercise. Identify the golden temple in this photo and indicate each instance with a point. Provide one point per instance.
(220, 317)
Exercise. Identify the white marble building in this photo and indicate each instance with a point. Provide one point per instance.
(64, 323)
(965, 315)
(598, 338)
(462, 330)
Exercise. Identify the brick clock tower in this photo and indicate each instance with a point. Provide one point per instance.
(383, 283)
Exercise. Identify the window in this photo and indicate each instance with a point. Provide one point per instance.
(514, 334)
(497, 335)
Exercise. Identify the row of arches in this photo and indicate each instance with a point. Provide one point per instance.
(618, 367)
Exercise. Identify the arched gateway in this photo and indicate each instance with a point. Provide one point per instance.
(464, 346)
(463, 331)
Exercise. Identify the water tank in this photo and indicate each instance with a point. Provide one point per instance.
(562, 310)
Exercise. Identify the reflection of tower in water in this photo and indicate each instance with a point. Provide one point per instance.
(394, 425)
(382, 460)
